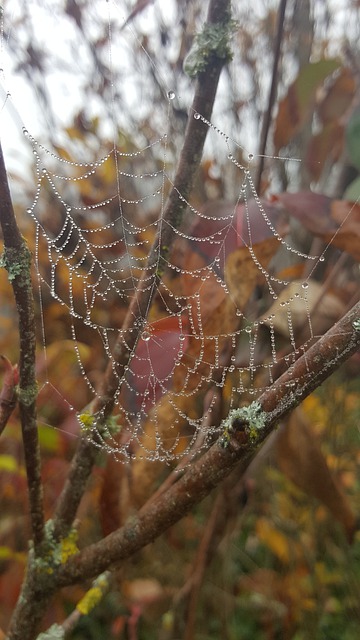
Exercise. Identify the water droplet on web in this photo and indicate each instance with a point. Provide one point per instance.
(305, 285)
(146, 336)
(251, 156)
(197, 116)
(322, 259)
(171, 95)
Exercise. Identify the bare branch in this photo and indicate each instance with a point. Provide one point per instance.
(17, 259)
(272, 95)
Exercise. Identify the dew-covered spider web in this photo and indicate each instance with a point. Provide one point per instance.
(232, 298)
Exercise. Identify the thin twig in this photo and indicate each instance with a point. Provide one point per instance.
(17, 259)
(272, 95)
(199, 566)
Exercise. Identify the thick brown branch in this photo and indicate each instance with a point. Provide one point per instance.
(16, 259)
(190, 157)
(336, 346)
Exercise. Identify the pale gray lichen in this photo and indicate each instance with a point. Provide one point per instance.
(28, 395)
(16, 261)
(253, 417)
(214, 40)
(55, 632)
(13, 269)
(54, 553)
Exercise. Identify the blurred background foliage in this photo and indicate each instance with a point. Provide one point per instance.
(273, 555)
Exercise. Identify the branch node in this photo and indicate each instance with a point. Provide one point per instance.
(213, 41)
(249, 420)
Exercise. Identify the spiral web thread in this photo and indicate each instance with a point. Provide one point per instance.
(187, 350)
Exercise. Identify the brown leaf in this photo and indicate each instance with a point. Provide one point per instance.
(323, 310)
(336, 221)
(347, 218)
(302, 461)
(324, 147)
(338, 97)
(243, 269)
(298, 105)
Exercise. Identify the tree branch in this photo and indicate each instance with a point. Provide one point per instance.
(305, 375)
(272, 95)
(17, 259)
(190, 157)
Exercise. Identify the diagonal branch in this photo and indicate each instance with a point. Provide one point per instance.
(189, 161)
(305, 375)
(17, 259)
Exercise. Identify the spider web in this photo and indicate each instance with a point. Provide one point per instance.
(210, 339)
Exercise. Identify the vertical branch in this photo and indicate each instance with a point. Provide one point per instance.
(17, 259)
(272, 94)
(209, 64)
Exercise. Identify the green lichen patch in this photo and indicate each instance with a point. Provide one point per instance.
(88, 422)
(252, 418)
(16, 262)
(213, 41)
(27, 395)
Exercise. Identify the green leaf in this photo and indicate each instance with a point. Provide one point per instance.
(49, 439)
(353, 190)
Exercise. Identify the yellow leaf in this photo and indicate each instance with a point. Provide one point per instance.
(273, 539)
(10, 464)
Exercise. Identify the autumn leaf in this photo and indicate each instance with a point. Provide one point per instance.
(243, 269)
(323, 308)
(300, 458)
(298, 105)
(335, 221)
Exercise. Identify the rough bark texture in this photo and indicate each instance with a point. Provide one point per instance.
(17, 259)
